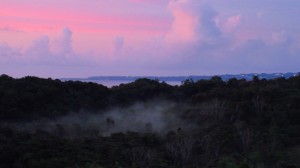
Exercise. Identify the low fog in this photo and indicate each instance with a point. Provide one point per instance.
(154, 116)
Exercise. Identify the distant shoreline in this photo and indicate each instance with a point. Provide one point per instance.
(225, 77)
(111, 81)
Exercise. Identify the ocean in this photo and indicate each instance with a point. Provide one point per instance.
(111, 83)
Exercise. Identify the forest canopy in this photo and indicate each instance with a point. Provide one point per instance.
(205, 123)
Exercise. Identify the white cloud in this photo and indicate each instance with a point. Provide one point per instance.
(279, 37)
(8, 54)
(65, 43)
(39, 49)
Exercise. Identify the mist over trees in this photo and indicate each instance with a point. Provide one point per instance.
(148, 123)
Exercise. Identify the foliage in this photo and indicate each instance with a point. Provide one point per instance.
(235, 124)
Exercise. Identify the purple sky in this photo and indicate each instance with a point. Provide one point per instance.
(81, 38)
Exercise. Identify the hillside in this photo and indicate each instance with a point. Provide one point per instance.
(236, 123)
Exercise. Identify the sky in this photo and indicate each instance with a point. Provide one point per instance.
(82, 38)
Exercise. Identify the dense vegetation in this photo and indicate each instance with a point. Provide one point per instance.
(236, 124)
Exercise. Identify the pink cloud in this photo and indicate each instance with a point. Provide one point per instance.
(232, 22)
(184, 22)
(31, 18)
(193, 22)
(148, 1)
